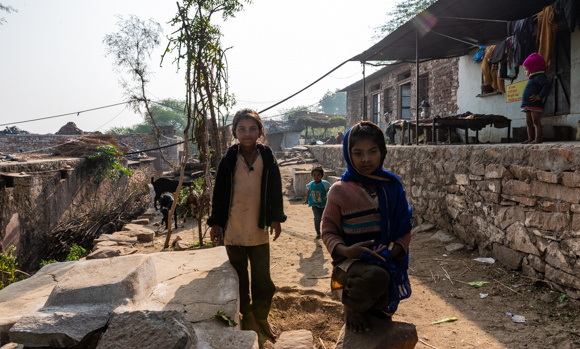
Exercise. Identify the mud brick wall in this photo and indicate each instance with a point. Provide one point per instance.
(517, 203)
(37, 199)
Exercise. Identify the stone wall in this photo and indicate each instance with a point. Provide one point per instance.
(35, 143)
(517, 203)
(442, 76)
(37, 196)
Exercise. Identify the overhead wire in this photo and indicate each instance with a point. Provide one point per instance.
(60, 115)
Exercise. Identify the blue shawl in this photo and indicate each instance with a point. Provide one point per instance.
(395, 222)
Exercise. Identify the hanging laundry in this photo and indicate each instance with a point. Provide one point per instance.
(567, 12)
(490, 71)
(523, 31)
(478, 57)
(499, 53)
(512, 68)
(547, 27)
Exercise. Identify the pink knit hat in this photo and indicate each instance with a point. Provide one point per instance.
(535, 62)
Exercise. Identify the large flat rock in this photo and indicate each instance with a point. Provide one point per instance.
(115, 281)
(83, 299)
(198, 283)
(27, 296)
(300, 339)
(384, 334)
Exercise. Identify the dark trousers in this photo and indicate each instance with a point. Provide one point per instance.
(317, 218)
(366, 287)
(263, 288)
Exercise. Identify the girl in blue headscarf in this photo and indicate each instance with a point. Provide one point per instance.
(366, 227)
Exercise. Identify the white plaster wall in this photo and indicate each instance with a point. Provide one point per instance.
(291, 139)
(470, 86)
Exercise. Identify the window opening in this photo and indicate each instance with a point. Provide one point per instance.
(405, 101)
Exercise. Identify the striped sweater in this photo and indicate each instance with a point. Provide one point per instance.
(352, 216)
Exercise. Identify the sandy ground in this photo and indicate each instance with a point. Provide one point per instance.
(301, 269)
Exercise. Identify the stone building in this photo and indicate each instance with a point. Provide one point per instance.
(391, 92)
(444, 38)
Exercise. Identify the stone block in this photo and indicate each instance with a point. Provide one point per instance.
(521, 199)
(542, 243)
(508, 203)
(548, 177)
(27, 296)
(556, 258)
(555, 192)
(454, 247)
(576, 222)
(147, 329)
(423, 228)
(384, 334)
(300, 339)
(561, 277)
(571, 179)
(517, 188)
(452, 189)
(571, 247)
(115, 238)
(523, 173)
(530, 272)
(111, 251)
(517, 238)
(442, 236)
(555, 206)
(547, 220)
(477, 169)
(508, 257)
(493, 185)
(495, 171)
(491, 197)
(220, 336)
(475, 178)
(537, 263)
(142, 221)
(461, 179)
(60, 327)
(575, 208)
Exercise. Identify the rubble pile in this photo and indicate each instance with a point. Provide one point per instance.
(297, 155)
(70, 129)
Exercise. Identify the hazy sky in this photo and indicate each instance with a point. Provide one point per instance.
(52, 57)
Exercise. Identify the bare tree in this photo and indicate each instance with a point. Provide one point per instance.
(7, 9)
(197, 46)
(131, 48)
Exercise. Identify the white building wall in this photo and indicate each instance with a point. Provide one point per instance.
(470, 85)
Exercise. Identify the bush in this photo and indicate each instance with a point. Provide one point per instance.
(8, 266)
(74, 254)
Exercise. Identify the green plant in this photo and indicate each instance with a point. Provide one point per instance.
(561, 298)
(108, 155)
(75, 253)
(8, 268)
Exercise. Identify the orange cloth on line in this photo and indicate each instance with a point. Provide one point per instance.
(242, 228)
(490, 72)
(547, 28)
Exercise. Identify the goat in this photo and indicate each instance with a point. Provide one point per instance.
(166, 202)
(164, 185)
(192, 204)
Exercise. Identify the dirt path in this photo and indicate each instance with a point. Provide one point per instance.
(301, 268)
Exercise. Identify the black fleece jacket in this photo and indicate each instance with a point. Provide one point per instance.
(271, 203)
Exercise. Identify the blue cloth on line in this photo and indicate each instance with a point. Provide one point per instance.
(395, 222)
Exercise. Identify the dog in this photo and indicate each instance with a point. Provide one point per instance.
(166, 202)
(192, 204)
(164, 185)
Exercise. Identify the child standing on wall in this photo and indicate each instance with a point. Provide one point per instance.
(247, 199)
(316, 197)
(367, 230)
(536, 89)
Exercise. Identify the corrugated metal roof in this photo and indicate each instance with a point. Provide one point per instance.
(400, 44)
